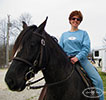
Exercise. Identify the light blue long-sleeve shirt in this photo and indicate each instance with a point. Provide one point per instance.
(78, 44)
(75, 43)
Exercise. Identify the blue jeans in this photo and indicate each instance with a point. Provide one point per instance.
(93, 75)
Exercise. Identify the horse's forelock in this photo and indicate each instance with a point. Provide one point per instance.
(18, 42)
(20, 39)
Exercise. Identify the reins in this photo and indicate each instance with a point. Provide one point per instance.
(49, 84)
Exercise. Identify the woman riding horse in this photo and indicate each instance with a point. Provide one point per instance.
(35, 50)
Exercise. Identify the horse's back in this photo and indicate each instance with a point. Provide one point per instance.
(72, 89)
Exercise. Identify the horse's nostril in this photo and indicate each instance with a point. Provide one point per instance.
(10, 82)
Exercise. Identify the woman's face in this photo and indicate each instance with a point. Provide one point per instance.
(75, 21)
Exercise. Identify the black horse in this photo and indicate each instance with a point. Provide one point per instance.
(35, 50)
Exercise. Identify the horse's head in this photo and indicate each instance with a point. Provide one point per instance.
(27, 51)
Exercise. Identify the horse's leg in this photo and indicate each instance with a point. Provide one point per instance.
(42, 94)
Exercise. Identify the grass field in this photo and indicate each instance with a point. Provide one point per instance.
(103, 76)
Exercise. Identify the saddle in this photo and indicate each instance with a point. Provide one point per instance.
(84, 75)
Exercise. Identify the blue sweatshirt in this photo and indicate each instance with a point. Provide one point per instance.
(75, 43)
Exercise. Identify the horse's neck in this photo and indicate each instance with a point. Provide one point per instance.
(58, 67)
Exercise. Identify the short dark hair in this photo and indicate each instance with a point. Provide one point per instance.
(76, 13)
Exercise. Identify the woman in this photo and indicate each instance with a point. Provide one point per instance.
(76, 42)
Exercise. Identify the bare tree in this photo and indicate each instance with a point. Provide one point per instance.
(15, 28)
(17, 24)
(3, 30)
(26, 17)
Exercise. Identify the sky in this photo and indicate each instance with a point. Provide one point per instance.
(94, 13)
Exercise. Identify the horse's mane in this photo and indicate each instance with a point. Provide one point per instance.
(54, 45)
(23, 36)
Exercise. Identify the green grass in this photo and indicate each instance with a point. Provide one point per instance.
(103, 76)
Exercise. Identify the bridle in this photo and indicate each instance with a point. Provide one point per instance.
(37, 64)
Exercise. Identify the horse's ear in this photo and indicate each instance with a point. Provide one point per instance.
(42, 26)
(24, 25)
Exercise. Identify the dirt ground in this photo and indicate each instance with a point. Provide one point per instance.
(6, 94)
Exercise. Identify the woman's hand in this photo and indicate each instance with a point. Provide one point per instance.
(74, 60)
